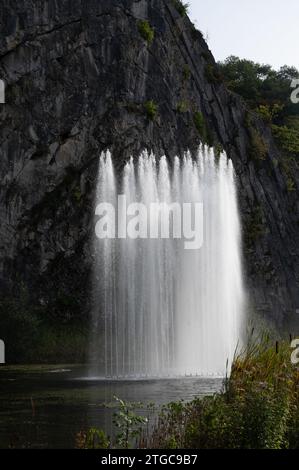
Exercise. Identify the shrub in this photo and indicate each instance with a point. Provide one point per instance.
(287, 139)
(202, 128)
(128, 424)
(182, 107)
(200, 125)
(181, 7)
(269, 113)
(186, 72)
(258, 149)
(92, 439)
(258, 408)
(151, 109)
(30, 335)
(218, 150)
(146, 31)
(265, 112)
(199, 122)
(213, 74)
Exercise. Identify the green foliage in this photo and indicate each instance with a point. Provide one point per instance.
(151, 109)
(213, 74)
(202, 128)
(287, 139)
(258, 149)
(258, 409)
(259, 84)
(97, 439)
(269, 112)
(19, 329)
(128, 423)
(30, 335)
(186, 72)
(77, 194)
(62, 344)
(200, 124)
(181, 7)
(93, 439)
(146, 31)
(182, 107)
(218, 150)
(267, 92)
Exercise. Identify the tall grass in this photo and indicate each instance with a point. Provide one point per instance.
(257, 409)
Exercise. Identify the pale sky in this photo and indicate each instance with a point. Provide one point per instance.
(265, 31)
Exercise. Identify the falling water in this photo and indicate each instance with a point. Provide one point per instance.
(160, 309)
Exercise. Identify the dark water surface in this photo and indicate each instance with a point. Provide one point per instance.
(46, 406)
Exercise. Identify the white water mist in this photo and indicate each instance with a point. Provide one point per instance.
(161, 310)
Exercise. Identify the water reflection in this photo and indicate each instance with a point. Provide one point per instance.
(47, 407)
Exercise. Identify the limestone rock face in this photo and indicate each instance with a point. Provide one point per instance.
(78, 75)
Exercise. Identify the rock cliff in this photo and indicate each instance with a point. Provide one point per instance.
(86, 75)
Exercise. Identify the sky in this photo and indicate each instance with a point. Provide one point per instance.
(265, 31)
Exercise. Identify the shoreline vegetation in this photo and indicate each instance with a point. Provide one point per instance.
(258, 408)
(32, 336)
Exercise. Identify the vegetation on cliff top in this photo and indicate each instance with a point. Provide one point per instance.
(268, 93)
(181, 7)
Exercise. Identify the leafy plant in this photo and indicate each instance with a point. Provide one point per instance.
(93, 439)
(218, 150)
(181, 7)
(200, 125)
(146, 31)
(259, 149)
(260, 84)
(269, 112)
(287, 139)
(151, 109)
(77, 194)
(182, 107)
(128, 423)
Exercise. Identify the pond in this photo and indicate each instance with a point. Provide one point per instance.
(47, 406)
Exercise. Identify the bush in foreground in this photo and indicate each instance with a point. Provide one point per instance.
(258, 408)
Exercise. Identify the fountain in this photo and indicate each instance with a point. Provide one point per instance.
(161, 310)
